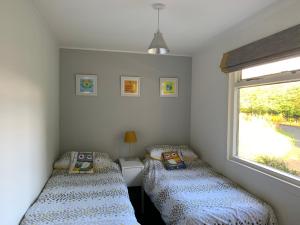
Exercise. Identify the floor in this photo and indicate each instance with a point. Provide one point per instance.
(145, 211)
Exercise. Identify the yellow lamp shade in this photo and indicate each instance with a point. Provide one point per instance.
(130, 137)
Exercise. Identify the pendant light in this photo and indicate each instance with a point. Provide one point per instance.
(158, 45)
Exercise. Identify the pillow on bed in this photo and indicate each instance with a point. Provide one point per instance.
(82, 162)
(63, 162)
(172, 160)
(65, 159)
(156, 151)
(189, 155)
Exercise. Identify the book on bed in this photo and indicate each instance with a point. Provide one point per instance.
(82, 162)
(172, 160)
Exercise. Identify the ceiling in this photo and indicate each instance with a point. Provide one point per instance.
(129, 25)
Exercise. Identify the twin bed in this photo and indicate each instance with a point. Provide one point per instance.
(100, 198)
(199, 196)
(192, 196)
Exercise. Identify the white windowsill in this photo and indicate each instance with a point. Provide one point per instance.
(270, 172)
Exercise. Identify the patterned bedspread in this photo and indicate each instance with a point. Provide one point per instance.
(198, 195)
(99, 199)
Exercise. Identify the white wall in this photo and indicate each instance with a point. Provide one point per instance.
(209, 108)
(98, 123)
(29, 89)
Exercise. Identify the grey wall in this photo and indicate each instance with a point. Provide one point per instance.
(98, 123)
(209, 109)
(29, 123)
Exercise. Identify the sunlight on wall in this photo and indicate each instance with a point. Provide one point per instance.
(23, 137)
(29, 116)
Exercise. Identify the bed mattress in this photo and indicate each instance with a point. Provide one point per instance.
(73, 199)
(197, 195)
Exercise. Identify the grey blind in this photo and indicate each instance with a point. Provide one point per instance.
(277, 46)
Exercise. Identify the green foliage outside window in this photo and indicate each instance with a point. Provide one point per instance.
(278, 103)
(275, 163)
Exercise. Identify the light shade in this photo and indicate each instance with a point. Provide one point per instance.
(130, 137)
(158, 45)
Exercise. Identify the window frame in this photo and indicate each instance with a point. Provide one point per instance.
(235, 83)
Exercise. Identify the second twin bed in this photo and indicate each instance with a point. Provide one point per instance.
(198, 195)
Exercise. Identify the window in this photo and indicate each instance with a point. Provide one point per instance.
(264, 118)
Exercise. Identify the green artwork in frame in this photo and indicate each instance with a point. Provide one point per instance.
(168, 87)
(86, 85)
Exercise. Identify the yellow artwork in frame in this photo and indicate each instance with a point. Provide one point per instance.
(168, 87)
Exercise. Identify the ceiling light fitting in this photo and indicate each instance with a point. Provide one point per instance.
(158, 45)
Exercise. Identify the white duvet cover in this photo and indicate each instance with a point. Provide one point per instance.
(199, 196)
(83, 199)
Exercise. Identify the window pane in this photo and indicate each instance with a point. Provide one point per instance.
(269, 126)
(271, 68)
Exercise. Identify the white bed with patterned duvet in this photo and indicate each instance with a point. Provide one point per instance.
(100, 198)
(197, 195)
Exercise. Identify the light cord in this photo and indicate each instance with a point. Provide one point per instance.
(158, 19)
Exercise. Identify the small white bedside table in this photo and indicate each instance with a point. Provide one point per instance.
(132, 170)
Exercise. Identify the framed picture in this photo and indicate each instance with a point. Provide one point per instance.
(130, 86)
(86, 85)
(168, 87)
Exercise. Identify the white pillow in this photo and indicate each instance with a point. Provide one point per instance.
(189, 155)
(65, 159)
(166, 147)
(156, 151)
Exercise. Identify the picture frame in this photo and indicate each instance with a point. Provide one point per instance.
(86, 85)
(168, 87)
(130, 86)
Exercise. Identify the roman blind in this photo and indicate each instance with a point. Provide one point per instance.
(281, 45)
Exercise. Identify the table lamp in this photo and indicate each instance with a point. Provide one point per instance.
(130, 138)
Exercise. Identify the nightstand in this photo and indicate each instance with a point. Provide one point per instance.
(132, 171)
